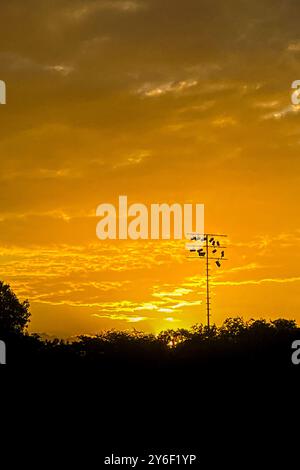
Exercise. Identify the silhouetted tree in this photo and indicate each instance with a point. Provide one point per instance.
(233, 328)
(283, 324)
(14, 315)
(174, 337)
(235, 345)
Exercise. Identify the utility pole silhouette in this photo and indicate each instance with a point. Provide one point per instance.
(212, 246)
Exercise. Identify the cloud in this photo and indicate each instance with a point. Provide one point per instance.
(129, 319)
(133, 159)
(90, 8)
(257, 281)
(151, 91)
(294, 46)
(283, 112)
(247, 267)
(20, 64)
(224, 121)
(178, 292)
(186, 303)
(266, 104)
(280, 240)
(64, 70)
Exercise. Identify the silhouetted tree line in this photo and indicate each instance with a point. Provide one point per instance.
(236, 344)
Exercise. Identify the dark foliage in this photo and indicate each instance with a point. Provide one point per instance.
(236, 345)
(14, 315)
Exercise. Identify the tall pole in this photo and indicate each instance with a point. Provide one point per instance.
(211, 243)
(207, 285)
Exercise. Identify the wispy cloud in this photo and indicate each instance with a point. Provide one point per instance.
(84, 11)
(283, 112)
(257, 281)
(294, 46)
(271, 104)
(61, 69)
(17, 62)
(126, 318)
(224, 121)
(134, 158)
(281, 240)
(150, 90)
(178, 292)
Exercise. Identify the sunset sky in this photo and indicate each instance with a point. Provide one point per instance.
(163, 101)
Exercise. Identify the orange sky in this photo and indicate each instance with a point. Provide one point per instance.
(182, 101)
